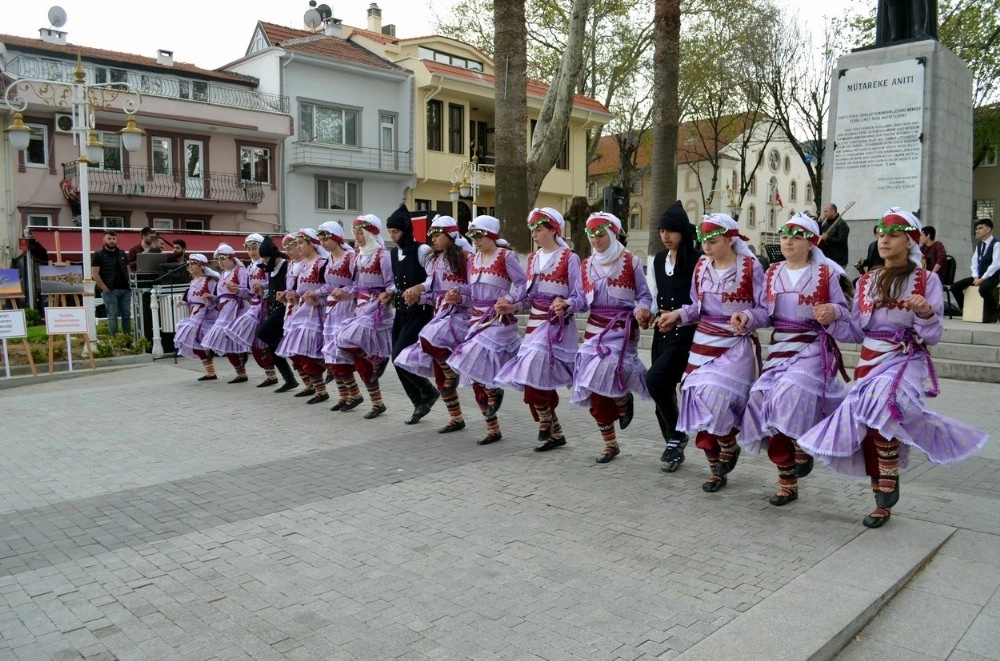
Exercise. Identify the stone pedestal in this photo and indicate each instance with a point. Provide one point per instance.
(974, 309)
(945, 146)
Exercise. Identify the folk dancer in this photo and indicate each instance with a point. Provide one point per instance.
(547, 354)
(447, 287)
(275, 264)
(608, 373)
(497, 285)
(243, 331)
(800, 383)
(727, 305)
(199, 298)
(232, 294)
(898, 313)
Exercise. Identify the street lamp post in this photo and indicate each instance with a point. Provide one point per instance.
(83, 100)
(465, 183)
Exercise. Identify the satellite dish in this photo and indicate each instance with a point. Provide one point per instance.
(312, 19)
(57, 17)
(325, 12)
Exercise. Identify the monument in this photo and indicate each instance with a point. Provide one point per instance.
(900, 130)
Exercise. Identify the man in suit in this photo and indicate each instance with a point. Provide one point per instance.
(834, 232)
(985, 268)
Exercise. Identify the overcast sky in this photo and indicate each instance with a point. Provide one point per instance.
(213, 33)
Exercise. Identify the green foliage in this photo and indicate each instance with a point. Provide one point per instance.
(33, 317)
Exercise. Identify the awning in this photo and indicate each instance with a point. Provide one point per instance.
(70, 239)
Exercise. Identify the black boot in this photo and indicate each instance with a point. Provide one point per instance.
(673, 454)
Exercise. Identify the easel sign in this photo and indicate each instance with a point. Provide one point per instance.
(68, 322)
(13, 326)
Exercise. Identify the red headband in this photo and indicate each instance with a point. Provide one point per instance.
(447, 230)
(361, 223)
(813, 239)
(707, 228)
(549, 220)
(489, 234)
(891, 219)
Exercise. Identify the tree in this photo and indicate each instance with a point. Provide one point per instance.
(666, 108)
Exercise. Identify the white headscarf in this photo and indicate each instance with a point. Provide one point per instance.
(310, 235)
(553, 218)
(334, 229)
(372, 225)
(713, 222)
(449, 226)
(802, 221)
(253, 238)
(908, 223)
(198, 257)
(612, 226)
(491, 226)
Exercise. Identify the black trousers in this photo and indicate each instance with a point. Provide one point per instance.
(270, 333)
(986, 288)
(669, 359)
(405, 331)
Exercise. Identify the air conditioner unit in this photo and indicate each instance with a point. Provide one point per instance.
(64, 123)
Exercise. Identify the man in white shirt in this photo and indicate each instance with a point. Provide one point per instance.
(985, 268)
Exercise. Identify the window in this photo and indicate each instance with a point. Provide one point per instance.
(163, 223)
(637, 187)
(592, 190)
(984, 209)
(328, 124)
(809, 193)
(255, 164)
(194, 225)
(635, 220)
(337, 194)
(162, 149)
(456, 122)
(109, 75)
(434, 125)
(990, 160)
(195, 90)
(691, 181)
(151, 85)
(425, 53)
(788, 165)
(37, 153)
(110, 222)
(752, 217)
(771, 216)
(40, 220)
(422, 205)
(753, 185)
(112, 157)
(793, 191)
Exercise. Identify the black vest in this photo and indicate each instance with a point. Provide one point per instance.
(405, 274)
(672, 291)
(986, 258)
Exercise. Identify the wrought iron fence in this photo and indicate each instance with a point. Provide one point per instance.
(171, 183)
(151, 84)
(355, 158)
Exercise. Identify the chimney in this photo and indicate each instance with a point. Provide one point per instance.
(389, 30)
(374, 18)
(334, 27)
(165, 57)
(52, 36)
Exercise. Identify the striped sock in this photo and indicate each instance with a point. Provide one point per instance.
(788, 484)
(608, 434)
(454, 406)
(209, 365)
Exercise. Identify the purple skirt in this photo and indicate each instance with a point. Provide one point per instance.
(481, 357)
(542, 365)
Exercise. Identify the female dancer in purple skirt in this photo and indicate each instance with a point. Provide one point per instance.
(243, 331)
(367, 336)
(545, 358)
(898, 312)
(304, 335)
(447, 287)
(800, 383)
(338, 292)
(727, 304)
(292, 302)
(232, 294)
(497, 284)
(191, 330)
(608, 370)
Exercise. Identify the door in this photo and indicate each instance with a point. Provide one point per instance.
(194, 174)
(387, 142)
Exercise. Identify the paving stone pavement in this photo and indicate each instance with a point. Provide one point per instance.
(147, 516)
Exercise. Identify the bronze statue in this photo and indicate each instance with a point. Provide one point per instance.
(903, 20)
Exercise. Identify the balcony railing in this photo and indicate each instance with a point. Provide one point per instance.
(173, 184)
(151, 84)
(355, 158)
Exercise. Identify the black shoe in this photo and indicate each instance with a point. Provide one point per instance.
(497, 401)
(673, 454)
(267, 383)
(339, 405)
(240, 379)
(316, 399)
(606, 456)
(308, 392)
(801, 470)
(885, 500)
(351, 404)
(726, 467)
(419, 411)
(877, 518)
(490, 438)
(452, 426)
(713, 485)
(779, 499)
(208, 378)
(287, 385)
(376, 411)
(626, 419)
(550, 444)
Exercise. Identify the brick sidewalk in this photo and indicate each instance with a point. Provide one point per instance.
(143, 515)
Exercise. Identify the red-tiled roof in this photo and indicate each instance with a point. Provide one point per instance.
(535, 88)
(318, 43)
(691, 147)
(374, 36)
(90, 55)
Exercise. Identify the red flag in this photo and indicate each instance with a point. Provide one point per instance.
(777, 198)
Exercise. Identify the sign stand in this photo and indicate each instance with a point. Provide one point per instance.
(68, 322)
(12, 326)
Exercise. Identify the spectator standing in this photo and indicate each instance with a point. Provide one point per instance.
(145, 239)
(834, 232)
(935, 256)
(155, 244)
(985, 267)
(110, 270)
(873, 260)
(179, 251)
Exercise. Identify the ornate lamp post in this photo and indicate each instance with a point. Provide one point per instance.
(83, 100)
(465, 183)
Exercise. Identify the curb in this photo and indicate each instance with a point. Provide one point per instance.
(853, 582)
(20, 375)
